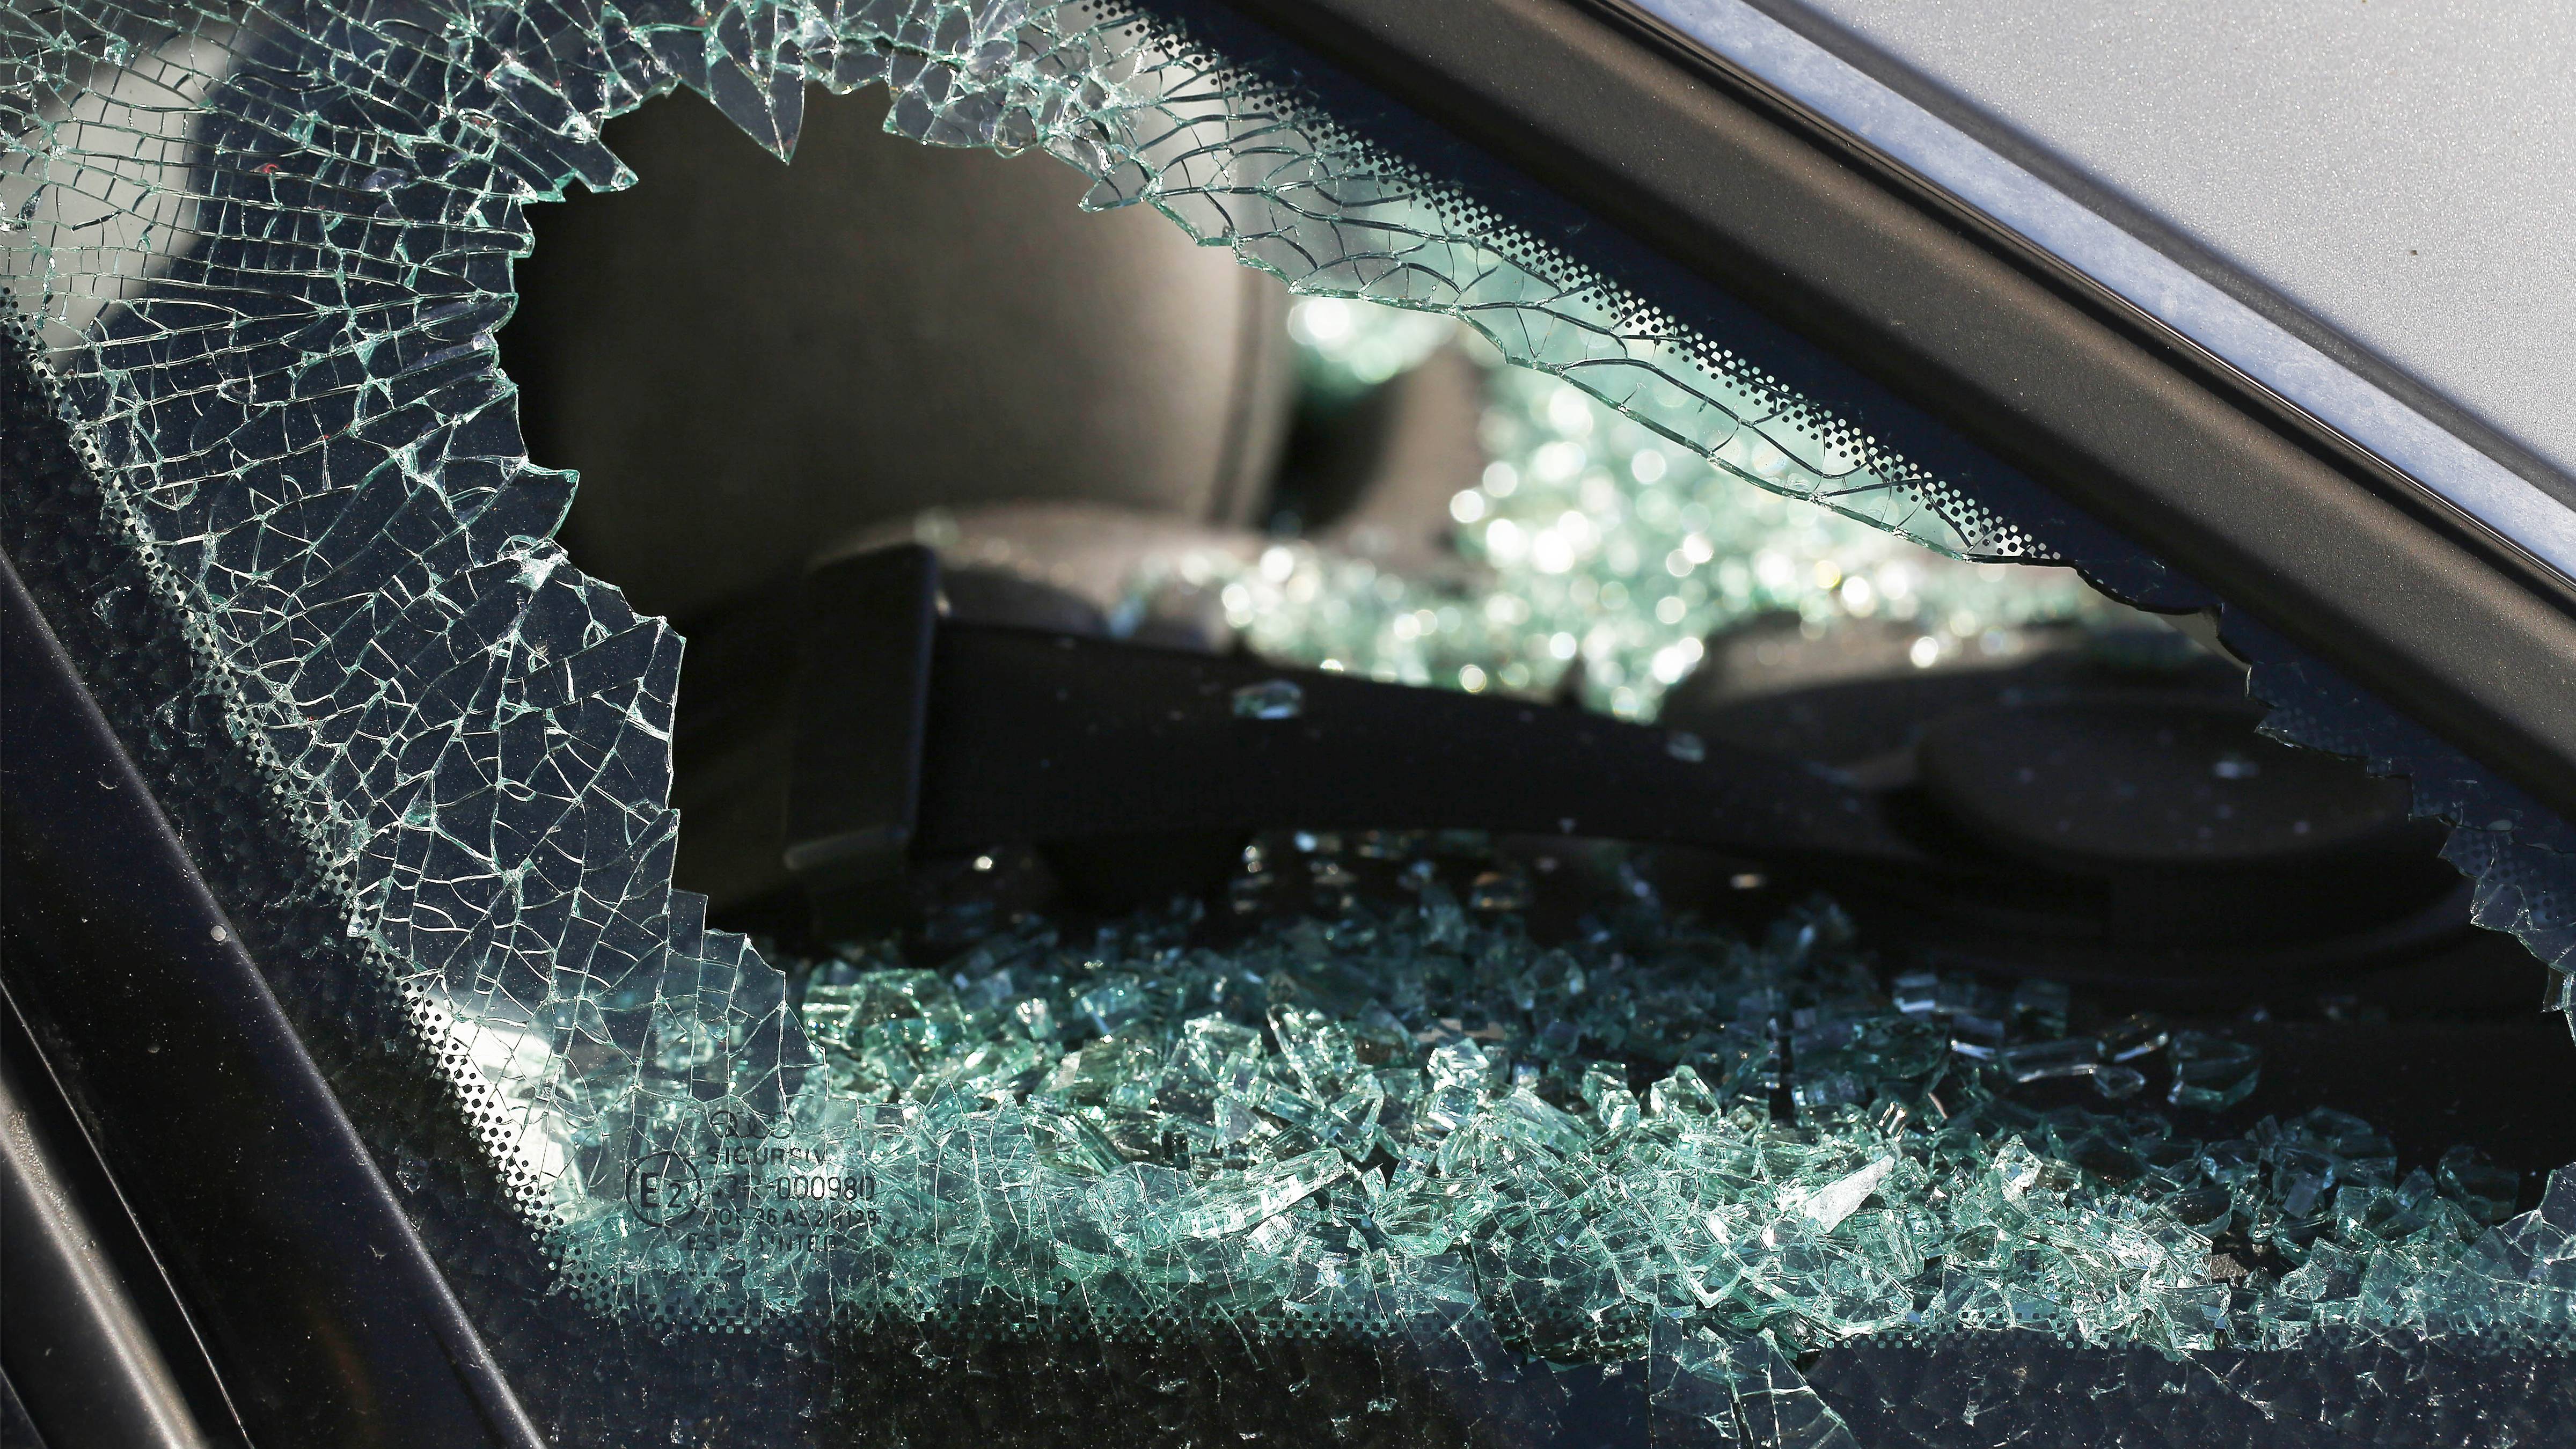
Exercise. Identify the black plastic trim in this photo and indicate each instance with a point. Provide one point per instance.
(1048, 738)
(319, 1305)
(91, 1371)
(2118, 415)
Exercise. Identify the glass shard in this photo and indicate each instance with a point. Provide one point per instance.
(2213, 1072)
(1272, 699)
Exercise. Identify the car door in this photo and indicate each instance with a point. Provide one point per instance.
(1168, 976)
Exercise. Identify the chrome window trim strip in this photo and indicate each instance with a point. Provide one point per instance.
(2235, 335)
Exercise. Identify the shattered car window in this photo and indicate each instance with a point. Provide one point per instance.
(1374, 1144)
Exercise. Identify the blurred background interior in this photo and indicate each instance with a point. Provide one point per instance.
(1104, 428)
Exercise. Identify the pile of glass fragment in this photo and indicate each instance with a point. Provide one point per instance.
(1596, 538)
(1652, 1134)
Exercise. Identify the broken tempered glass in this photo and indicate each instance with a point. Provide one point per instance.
(1653, 1137)
(259, 252)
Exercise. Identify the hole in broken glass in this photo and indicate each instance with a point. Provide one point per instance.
(1378, 1067)
(1084, 413)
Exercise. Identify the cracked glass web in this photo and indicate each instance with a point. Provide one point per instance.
(259, 254)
